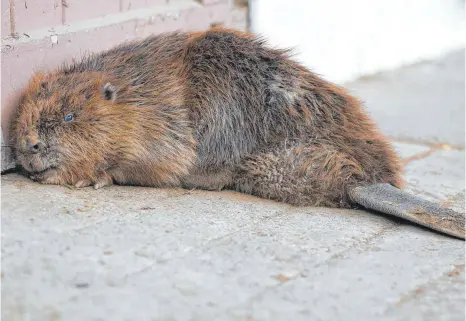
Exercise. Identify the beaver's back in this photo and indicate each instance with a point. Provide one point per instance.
(241, 91)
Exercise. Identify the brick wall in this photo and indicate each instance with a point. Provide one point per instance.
(40, 34)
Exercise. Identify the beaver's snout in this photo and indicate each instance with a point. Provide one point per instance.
(33, 145)
(31, 154)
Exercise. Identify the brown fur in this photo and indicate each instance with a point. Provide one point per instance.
(212, 110)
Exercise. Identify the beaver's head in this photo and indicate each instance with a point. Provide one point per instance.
(63, 119)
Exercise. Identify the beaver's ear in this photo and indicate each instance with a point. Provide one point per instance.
(109, 92)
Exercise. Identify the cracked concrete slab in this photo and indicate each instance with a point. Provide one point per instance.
(133, 252)
(129, 253)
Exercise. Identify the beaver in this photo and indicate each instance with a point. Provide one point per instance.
(217, 109)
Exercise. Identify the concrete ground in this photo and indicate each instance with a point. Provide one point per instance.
(127, 253)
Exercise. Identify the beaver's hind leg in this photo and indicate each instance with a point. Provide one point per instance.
(311, 175)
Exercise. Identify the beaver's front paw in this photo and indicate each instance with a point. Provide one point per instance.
(83, 183)
(50, 177)
(104, 179)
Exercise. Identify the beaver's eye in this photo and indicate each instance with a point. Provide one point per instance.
(69, 117)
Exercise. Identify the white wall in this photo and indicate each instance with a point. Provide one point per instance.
(344, 39)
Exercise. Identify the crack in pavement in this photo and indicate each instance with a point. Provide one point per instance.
(436, 145)
(418, 156)
(423, 288)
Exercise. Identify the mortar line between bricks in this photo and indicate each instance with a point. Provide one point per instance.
(12, 18)
(63, 5)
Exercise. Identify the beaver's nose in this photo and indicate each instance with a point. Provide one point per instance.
(34, 146)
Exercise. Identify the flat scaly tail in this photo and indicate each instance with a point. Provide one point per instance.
(388, 199)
